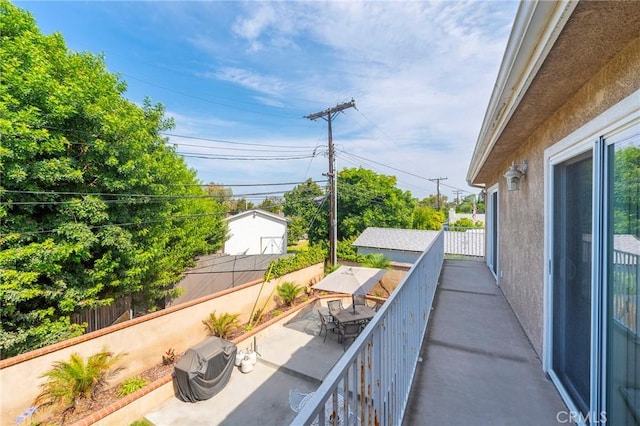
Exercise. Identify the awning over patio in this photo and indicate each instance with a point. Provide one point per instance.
(355, 280)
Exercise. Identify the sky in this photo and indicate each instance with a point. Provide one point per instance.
(240, 77)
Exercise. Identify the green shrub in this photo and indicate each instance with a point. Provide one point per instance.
(277, 313)
(302, 259)
(347, 251)
(131, 385)
(222, 326)
(463, 223)
(376, 260)
(76, 378)
(141, 422)
(288, 292)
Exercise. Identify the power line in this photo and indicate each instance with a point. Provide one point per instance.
(244, 158)
(236, 142)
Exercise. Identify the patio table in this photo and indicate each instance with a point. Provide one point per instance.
(362, 313)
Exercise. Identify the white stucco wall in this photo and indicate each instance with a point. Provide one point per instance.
(256, 234)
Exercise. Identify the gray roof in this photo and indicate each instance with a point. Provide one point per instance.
(396, 239)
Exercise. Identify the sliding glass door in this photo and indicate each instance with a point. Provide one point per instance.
(593, 297)
(622, 240)
(571, 265)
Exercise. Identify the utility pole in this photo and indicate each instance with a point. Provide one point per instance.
(328, 115)
(437, 181)
(458, 192)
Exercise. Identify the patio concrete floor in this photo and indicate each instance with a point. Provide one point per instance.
(291, 357)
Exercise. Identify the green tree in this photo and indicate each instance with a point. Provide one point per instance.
(368, 199)
(466, 206)
(626, 191)
(271, 204)
(222, 194)
(427, 218)
(300, 205)
(432, 201)
(94, 204)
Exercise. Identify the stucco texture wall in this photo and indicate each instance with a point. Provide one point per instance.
(143, 339)
(521, 223)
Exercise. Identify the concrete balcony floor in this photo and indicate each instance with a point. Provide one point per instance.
(478, 367)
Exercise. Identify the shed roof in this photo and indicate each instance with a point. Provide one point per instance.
(396, 239)
(258, 212)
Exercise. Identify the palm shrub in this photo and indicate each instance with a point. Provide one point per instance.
(222, 325)
(288, 292)
(68, 381)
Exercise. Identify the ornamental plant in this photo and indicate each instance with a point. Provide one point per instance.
(222, 325)
(77, 378)
(131, 385)
(169, 357)
(288, 292)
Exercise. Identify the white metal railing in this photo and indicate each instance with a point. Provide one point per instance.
(370, 384)
(626, 277)
(464, 241)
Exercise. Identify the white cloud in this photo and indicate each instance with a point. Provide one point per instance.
(421, 73)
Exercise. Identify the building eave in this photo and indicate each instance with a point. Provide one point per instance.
(535, 30)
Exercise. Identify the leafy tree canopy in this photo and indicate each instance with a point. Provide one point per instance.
(427, 218)
(94, 205)
(626, 191)
(365, 199)
(300, 205)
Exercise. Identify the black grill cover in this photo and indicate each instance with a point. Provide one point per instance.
(204, 370)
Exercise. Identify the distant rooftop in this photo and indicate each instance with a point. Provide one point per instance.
(396, 239)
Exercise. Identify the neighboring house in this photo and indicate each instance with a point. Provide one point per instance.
(399, 245)
(256, 232)
(567, 102)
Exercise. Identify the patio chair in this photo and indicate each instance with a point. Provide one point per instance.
(349, 331)
(377, 306)
(326, 323)
(334, 305)
(359, 299)
(295, 399)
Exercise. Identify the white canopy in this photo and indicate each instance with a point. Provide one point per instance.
(351, 279)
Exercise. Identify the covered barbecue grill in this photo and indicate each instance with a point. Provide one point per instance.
(204, 370)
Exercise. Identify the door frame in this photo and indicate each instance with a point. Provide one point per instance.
(590, 137)
(490, 225)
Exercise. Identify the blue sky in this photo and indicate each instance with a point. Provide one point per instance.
(238, 78)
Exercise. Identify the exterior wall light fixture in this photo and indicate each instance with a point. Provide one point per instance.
(515, 174)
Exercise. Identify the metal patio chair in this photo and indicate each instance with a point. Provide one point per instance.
(326, 323)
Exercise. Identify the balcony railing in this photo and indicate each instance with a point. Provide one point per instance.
(464, 242)
(626, 277)
(370, 384)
